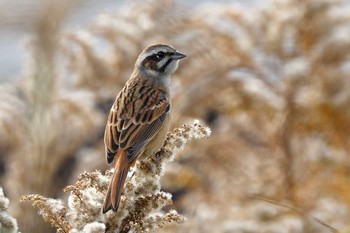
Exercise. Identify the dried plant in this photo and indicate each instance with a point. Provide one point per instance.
(8, 224)
(140, 208)
(271, 81)
(48, 124)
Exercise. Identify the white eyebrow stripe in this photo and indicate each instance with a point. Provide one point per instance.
(153, 52)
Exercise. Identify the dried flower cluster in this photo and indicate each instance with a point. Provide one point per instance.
(141, 204)
(8, 224)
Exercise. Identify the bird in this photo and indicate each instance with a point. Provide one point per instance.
(140, 116)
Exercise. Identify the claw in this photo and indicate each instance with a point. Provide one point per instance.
(157, 157)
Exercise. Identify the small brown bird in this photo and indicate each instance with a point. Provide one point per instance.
(139, 118)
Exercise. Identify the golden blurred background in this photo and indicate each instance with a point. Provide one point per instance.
(271, 80)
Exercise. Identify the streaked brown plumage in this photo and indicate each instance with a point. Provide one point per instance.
(139, 118)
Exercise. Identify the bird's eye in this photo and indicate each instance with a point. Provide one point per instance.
(160, 55)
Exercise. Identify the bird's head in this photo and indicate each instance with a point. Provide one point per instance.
(159, 60)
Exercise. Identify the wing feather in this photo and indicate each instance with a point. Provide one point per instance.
(134, 132)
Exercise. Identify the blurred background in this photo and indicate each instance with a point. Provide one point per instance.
(270, 78)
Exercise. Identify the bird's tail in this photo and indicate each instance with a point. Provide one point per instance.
(116, 185)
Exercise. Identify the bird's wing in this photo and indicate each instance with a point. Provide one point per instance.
(131, 132)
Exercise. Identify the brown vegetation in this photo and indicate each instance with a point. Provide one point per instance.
(271, 82)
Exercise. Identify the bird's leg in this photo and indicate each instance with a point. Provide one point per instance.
(157, 157)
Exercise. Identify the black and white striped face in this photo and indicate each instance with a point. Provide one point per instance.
(159, 59)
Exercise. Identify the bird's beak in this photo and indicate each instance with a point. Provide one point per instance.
(177, 55)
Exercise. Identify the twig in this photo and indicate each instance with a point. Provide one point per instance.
(296, 209)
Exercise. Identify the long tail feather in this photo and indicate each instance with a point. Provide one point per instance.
(121, 169)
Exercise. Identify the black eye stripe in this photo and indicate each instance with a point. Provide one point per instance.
(160, 55)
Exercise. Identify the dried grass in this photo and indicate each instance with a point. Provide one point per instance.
(271, 82)
(141, 204)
